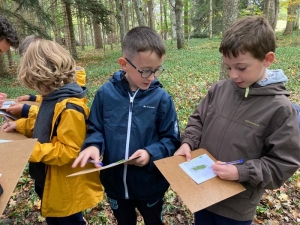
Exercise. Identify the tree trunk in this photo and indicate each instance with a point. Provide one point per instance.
(291, 12)
(71, 30)
(166, 28)
(173, 19)
(97, 35)
(67, 40)
(186, 18)
(139, 13)
(230, 15)
(179, 30)
(3, 69)
(271, 10)
(120, 18)
(56, 29)
(81, 30)
(266, 8)
(126, 17)
(10, 59)
(210, 18)
(297, 16)
(151, 14)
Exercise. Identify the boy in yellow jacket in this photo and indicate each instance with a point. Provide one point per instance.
(60, 129)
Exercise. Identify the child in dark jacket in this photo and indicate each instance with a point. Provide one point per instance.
(132, 116)
(246, 117)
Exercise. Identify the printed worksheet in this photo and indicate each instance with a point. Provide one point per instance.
(6, 104)
(199, 168)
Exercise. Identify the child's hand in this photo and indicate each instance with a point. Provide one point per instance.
(143, 160)
(89, 153)
(184, 150)
(225, 171)
(15, 109)
(9, 126)
(2, 98)
(23, 98)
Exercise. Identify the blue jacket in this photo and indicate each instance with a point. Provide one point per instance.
(120, 123)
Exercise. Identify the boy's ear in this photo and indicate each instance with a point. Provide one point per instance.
(123, 63)
(269, 59)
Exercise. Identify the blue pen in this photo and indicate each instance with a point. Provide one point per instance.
(93, 161)
(6, 120)
(234, 162)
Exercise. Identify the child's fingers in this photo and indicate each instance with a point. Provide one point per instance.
(77, 161)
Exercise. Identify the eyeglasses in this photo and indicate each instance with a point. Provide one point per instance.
(147, 73)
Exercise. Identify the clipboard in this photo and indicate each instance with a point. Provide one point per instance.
(196, 196)
(14, 157)
(122, 161)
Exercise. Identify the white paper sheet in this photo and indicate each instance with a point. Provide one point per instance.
(199, 168)
(6, 104)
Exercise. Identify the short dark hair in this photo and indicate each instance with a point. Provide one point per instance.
(8, 32)
(141, 39)
(251, 34)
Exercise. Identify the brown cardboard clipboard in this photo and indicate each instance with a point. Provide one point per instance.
(196, 196)
(101, 168)
(13, 159)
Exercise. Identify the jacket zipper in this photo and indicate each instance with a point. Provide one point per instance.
(127, 141)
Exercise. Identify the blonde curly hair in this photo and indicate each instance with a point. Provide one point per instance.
(46, 66)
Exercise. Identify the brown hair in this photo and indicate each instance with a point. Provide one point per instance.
(141, 39)
(250, 34)
(46, 66)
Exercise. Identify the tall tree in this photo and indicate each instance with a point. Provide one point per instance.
(120, 17)
(271, 11)
(297, 17)
(178, 8)
(291, 15)
(139, 13)
(165, 26)
(186, 9)
(151, 15)
(230, 15)
(210, 18)
(173, 19)
(97, 35)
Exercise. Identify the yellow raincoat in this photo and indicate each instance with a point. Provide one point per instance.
(64, 196)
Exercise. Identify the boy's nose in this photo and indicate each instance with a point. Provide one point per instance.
(151, 77)
(233, 74)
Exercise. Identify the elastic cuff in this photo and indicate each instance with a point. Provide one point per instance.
(243, 171)
(25, 111)
(32, 98)
(189, 142)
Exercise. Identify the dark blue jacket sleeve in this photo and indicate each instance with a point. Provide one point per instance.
(168, 129)
(94, 136)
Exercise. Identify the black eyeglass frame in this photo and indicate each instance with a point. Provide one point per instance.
(161, 69)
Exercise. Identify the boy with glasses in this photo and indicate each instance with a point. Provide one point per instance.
(132, 116)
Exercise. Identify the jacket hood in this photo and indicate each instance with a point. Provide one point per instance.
(119, 76)
(274, 76)
(258, 90)
(68, 90)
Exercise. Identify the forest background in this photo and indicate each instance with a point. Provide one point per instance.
(192, 29)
